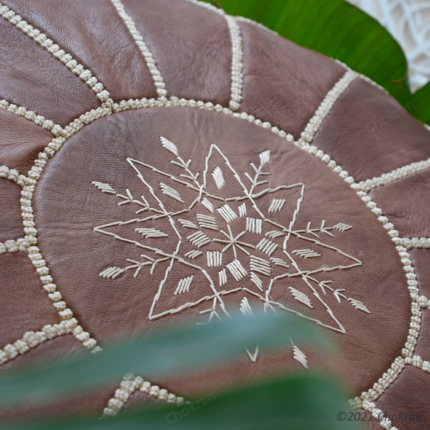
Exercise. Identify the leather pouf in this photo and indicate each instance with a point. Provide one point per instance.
(163, 163)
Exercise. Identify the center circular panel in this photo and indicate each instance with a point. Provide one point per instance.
(157, 216)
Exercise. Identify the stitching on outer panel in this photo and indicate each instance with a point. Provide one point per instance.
(149, 59)
(325, 107)
(414, 242)
(363, 77)
(396, 174)
(41, 38)
(47, 124)
(11, 246)
(128, 386)
(13, 175)
(236, 63)
(32, 339)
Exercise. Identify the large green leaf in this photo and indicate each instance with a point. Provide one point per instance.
(421, 104)
(300, 402)
(336, 29)
(173, 351)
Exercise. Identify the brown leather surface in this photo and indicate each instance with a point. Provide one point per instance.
(280, 83)
(191, 47)
(347, 134)
(68, 407)
(421, 262)
(31, 77)
(408, 395)
(96, 37)
(24, 305)
(10, 211)
(20, 141)
(113, 307)
(423, 344)
(405, 203)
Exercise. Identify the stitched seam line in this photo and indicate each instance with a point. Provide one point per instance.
(396, 174)
(41, 38)
(32, 339)
(414, 242)
(149, 59)
(128, 386)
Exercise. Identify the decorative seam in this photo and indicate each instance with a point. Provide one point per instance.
(325, 107)
(236, 63)
(11, 246)
(150, 62)
(39, 120)
(41, 38)
(414, 242)
(386, 178)
(32, 339)
(128, 386)
(13, 175)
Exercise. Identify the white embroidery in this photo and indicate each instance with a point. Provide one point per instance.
(218, 177)
(259, 265)
(242, 210)
(151, 232)
(206, 221)
(222, 277)
(359, 305)
(276, 205)
(184, 285)
(306, 253)
(301, 297)
(207, 204)
(214, 258)
(254, 225)
(414, 242)
(300, 356)
(227, 213)
(188, 224)
(193, 254)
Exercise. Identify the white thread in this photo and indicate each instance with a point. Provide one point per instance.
(254, 225)
(111, 272)
(218, 177)
(325, 107)
(300, 356)
(242, 210)
(128, 386)
(41, 38)
(236, 63)
(199, 239)
(227, 213)
(276, 205)
(306, 253)
(359, 305)
(39, 120)
(257, 281)
(207, 221)
(32, 339)
(188, 224)
(151, 232)
(171, 192)
(264, 157)
(301, 297)
(222, 275)
(267, 246)
(170, 146)
(342, 227)
(146, 53)
(396, 174)
(193, 254)
(104, 188)
(245, 307)
(253, 357)
(414, 242)
(279, 262)
(207, 204)
(184, 285)
(11, 246)
(237, 270)
(214, 258)
(259, 265)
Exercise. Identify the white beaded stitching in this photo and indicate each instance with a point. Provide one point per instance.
(236, 63)
(13, 175)
(39, 120)
(128, 386)
(32, 339)
(396, 174)
(325, 107)
(41, 38)
(150, 62)
(11, 246)
(414, 242)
